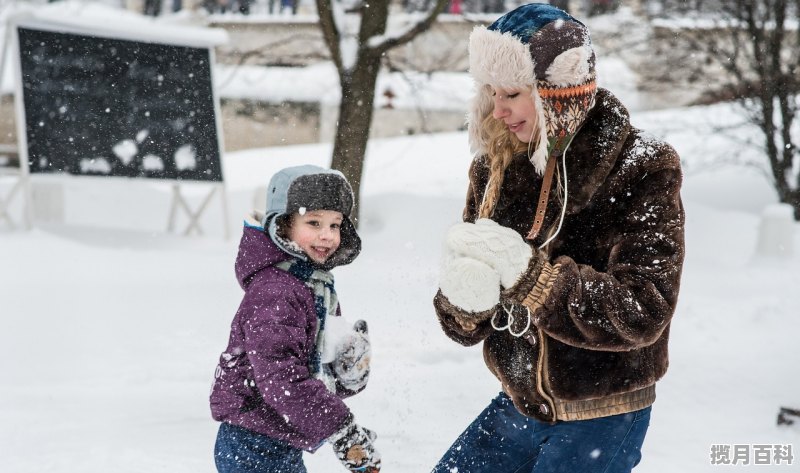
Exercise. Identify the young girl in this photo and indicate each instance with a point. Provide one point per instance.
(279, 385)
(568, 264)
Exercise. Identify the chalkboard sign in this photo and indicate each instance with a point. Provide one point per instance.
(116, 107)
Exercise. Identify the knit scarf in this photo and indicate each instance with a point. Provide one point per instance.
(325, 305)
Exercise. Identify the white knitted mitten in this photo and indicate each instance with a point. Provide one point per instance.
(500, 247)
(469, 284)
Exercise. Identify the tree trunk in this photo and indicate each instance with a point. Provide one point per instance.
(358, 80)
(355, 118)
(775, 67)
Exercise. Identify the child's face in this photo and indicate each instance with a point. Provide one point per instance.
(318, 233)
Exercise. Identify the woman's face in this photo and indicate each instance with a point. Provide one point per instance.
(517, 110)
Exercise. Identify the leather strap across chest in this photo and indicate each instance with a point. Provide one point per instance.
(544, 197)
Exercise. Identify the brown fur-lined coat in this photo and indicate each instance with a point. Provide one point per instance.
(602, 307)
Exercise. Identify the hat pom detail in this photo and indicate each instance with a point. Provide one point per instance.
(570, 67)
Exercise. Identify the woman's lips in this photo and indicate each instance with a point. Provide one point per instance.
(515, 127)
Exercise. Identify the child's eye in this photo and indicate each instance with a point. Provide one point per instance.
(512, 96)
(336, 226)
(313, 223)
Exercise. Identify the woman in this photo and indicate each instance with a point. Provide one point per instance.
(568, 265)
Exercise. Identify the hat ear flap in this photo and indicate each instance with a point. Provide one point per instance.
(480, 108)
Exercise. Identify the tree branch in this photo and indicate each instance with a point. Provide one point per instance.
(330, 33)
(418, 28)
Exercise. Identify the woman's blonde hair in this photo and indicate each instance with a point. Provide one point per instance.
(502, 147)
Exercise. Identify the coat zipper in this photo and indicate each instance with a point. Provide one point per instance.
(542, 373)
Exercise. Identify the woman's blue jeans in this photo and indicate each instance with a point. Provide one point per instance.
(240, 450)
(501, 440)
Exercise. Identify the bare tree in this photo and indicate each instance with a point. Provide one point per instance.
(765, 63)
(357, 41)
(757, 43)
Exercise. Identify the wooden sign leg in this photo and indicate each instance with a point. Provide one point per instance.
(6, 201)
(179, 202)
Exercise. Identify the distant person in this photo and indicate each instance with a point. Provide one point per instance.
(568, 264)
(221, 6)
(244, 6)
(289, 5)
(215, 6)
(283, 5)
(291, 357)
(152, 7)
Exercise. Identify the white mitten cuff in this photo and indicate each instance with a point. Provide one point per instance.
(470, 284)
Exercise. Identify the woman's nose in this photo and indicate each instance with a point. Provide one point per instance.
(499, 110)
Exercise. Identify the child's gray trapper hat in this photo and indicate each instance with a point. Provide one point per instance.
(307, 188)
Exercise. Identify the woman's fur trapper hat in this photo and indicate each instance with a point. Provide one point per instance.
(300, 189)
(539, 46)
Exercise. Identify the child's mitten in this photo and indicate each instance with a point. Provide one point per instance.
(353, 354)
(353, 446)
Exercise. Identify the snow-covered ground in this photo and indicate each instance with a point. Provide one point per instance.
(110, 328)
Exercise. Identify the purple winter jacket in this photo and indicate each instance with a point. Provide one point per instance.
(263, 382)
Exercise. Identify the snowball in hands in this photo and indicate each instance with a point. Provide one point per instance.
(501, 248)
(469, 283)
(347, 347)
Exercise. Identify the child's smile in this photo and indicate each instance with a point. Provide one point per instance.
(317, 233)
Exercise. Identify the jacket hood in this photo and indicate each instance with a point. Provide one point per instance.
(256, 251)
(541, 47)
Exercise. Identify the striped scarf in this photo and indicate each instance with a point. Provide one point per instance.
(325, 305)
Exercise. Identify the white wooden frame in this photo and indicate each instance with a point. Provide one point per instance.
(18, 186)
(19, 174)
(179, 203)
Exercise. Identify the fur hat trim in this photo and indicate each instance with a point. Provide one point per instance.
(500, 59)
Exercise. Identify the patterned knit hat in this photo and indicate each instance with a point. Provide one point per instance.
(539, 46)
